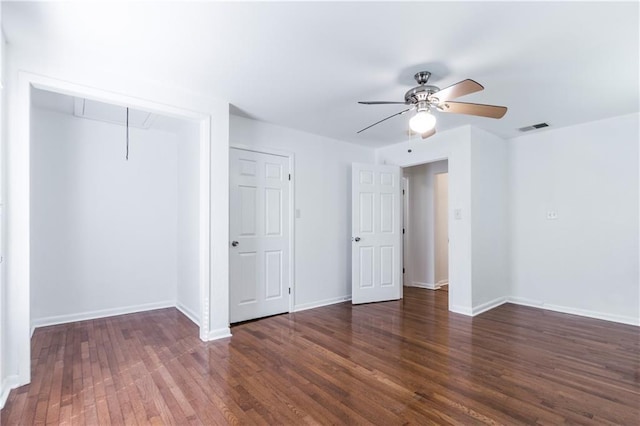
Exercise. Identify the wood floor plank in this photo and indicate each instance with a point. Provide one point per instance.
(401, 362)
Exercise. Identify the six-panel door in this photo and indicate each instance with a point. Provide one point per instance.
(376, 237)
(259, 230)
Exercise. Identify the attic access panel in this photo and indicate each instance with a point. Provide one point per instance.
(100, 111)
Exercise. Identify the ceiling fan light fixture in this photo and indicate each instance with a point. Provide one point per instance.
(422, 122)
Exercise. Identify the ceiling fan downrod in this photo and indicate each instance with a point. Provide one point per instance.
(422, 77)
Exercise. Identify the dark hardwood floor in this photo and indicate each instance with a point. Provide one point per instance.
(409, 361)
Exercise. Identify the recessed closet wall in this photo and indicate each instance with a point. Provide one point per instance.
(111, 235)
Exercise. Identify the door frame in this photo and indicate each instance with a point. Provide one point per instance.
(19, 211)
(405, 225)
(435, 207)
(420, 163)
(291, 157)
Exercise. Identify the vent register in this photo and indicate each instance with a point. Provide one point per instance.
(533, 127)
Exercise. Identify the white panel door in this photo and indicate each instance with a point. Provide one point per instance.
(376, 233)
(259, 232)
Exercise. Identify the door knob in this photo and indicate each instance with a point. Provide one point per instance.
(234, 243)
(357, 239)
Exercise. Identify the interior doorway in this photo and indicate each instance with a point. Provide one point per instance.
(426, 229)
(115, 210)
(170, 102)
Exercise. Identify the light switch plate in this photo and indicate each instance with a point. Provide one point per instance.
(457, 214)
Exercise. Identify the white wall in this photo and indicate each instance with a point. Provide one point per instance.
(420, 258)
(104, 229)
(489, 219)
(188, 244)
(585, 261)
(322, 182)
(454, 145)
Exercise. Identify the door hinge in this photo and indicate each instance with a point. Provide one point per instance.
(403, 230)
(289, 176)
(403, 270)
(289, 290)
(403, 192)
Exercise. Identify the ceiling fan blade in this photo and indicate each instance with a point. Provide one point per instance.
(429, 133)
(381, 103)
(491, 111)
(384, 119)
(461, 88)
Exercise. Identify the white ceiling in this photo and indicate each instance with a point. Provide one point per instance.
(305, 65)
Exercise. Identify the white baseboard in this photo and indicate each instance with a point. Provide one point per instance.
(219, 333)
(325, 302)
(428, 286)
(442, 283)
(487, 306)
(525, 302)
(461, 310)
(102, 313)
(6, 386)
(477, 310)
(575, 311)
(188, 313)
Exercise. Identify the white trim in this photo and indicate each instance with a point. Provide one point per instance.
(476, 310)
(101, 313)
(205, 258)
(463, 310)
(442, 283)
(594, 314)
(219, 333)
(487, 306)
(575, 311)
(428, 286)
(525, 302)
(187, 312)
(9, 383)
(406, 241)
(321, 303)
(292, 212)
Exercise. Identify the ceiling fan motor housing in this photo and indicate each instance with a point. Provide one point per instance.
(420, 93)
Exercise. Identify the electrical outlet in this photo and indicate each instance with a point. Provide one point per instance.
(552, 215)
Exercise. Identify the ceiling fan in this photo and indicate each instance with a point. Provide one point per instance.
(424, 98)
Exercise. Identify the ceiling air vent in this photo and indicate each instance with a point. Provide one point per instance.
(533, 127)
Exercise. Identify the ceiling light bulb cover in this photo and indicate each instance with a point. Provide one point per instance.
(422, 122)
